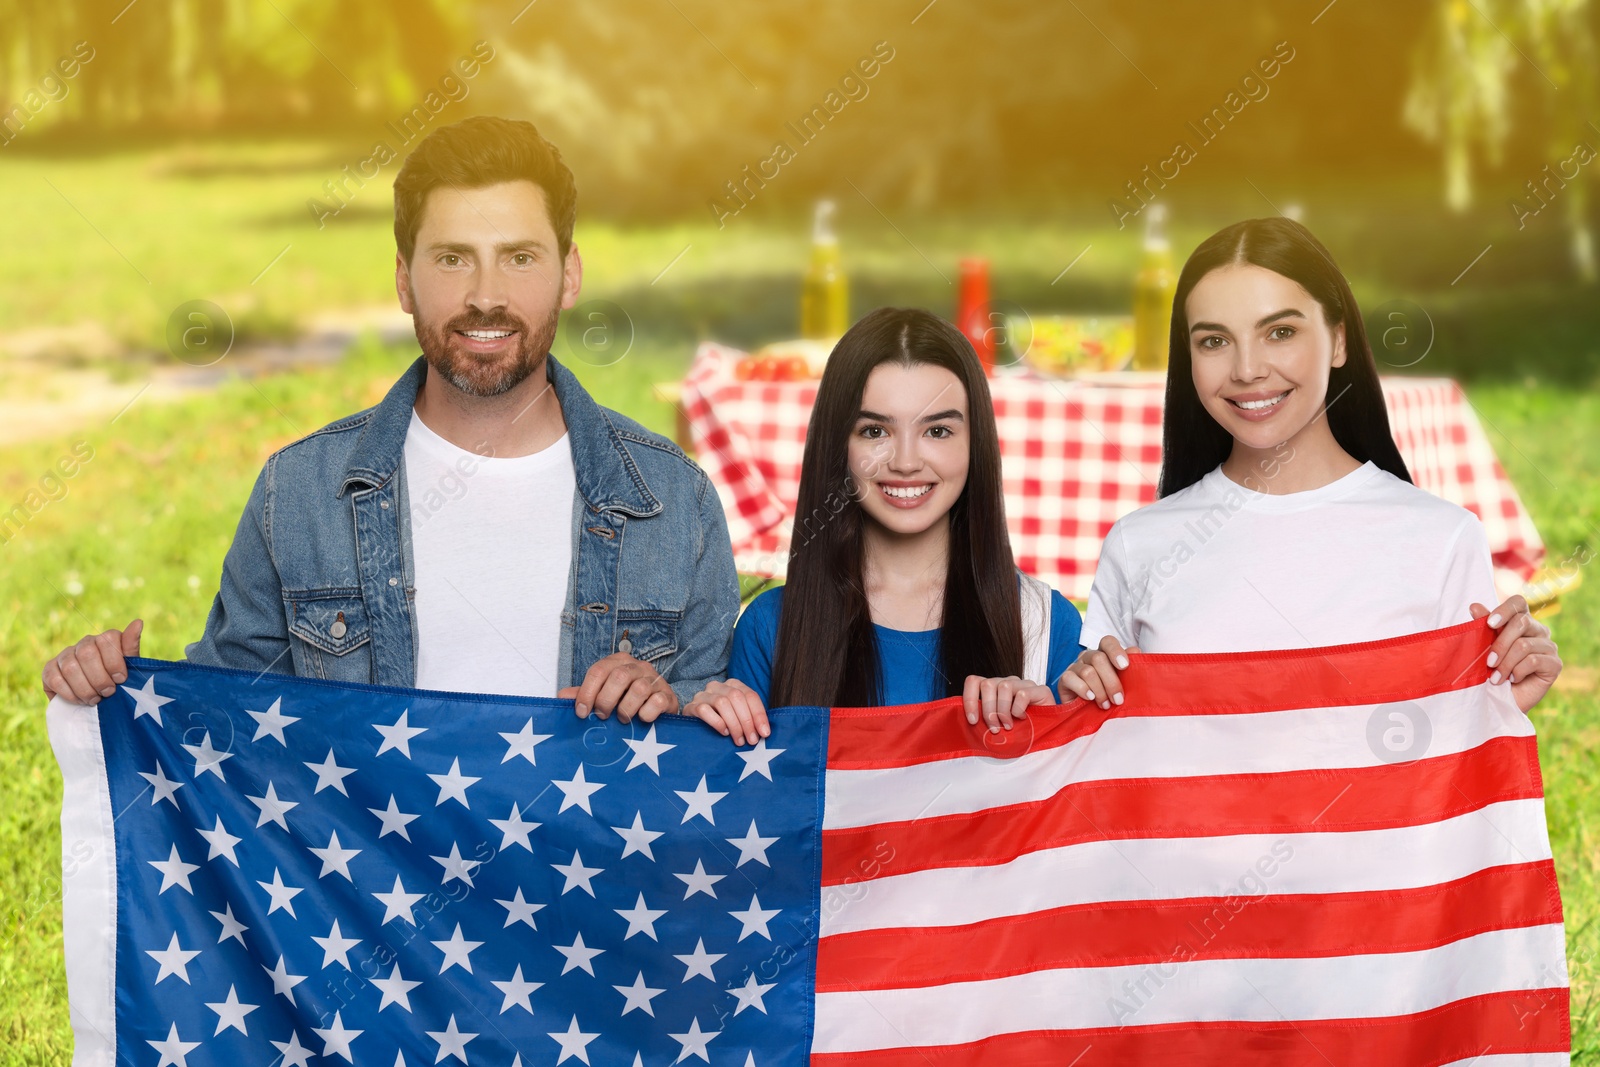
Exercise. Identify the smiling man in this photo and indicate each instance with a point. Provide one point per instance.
(487, 527)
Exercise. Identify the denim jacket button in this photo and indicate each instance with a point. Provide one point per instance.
(394, 581)
(625, 647)
(384, 504)
(337, 630)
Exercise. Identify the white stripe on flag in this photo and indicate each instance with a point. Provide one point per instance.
(89, 887)
(1259, 990)
(1176, 746)
(1174, 868)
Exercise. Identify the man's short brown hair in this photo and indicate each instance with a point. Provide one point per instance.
(479, 151)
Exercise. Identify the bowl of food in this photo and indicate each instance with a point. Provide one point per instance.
(1070, 346)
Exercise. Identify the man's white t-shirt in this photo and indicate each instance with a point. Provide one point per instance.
(491, 543)
(1218, 567)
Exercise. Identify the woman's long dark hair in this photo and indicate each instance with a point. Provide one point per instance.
(827, 651)
(1193, 444)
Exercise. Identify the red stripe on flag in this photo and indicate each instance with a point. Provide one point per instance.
(1375, 672)
(1517, 1022)
(1126, 932)
(1366, 798)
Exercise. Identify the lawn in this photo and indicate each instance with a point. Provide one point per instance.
(141, 527)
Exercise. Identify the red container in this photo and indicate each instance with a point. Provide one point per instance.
(972, 310)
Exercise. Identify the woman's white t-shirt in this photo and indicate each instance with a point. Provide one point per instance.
(1218, 567)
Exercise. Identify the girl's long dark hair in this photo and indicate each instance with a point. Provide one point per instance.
(1193, 444)
(827, 651)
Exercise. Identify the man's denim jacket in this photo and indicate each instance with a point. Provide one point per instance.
(320, 581)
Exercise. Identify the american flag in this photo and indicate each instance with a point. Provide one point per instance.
(1324, 856)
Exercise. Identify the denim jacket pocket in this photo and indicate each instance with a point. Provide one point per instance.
(651, 635)
(328, 625)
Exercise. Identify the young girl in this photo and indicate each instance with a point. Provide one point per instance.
(901, 587)
(1286, 517)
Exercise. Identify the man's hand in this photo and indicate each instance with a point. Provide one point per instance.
(1523, 653)
(624, 685)
(94, 667)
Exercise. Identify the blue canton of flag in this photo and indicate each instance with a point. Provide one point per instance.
(286, 871)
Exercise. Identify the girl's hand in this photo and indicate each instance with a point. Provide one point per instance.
(1094, 676)
(1523, 653)
(1001, 701)
(733, 709)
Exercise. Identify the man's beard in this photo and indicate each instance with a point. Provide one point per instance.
(478, 375)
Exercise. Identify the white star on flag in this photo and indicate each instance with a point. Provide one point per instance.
(452, 1042)
(173, 1050)
(519, 910)
(270, 723)
(699, 801)
(336, 946)
(283, 982)
(174, 960)
(272, 808)
(231, 1013)
(641, 920)
(578, 876)
(164, 786)
(698, 881)
(516, 991)
(579, 955)
(335, 857)
(282, 895)
(395, 989)
(699, 961)
(174, 872)
(752, 846)
(331, 774)
(647, 751)
(694, 1042)
(574, 1043)
(397, 902)
(755, 919)
(207, 758)
(750, 994)
(221, 842)
(455, 867)
(522, 743)
(394, 820)
(147, 701)
(457, 951)
(454, 785)
(231, 927)
(294, 1053)
(398, 736)
(513, 830)
(758, 760)
(639, 996)
(637, 838)
(337, 1038)
(576, 791)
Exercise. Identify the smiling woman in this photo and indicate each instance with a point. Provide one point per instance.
(906, 593)
(1276, 448)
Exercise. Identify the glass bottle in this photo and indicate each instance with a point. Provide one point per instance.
(1153, 291)
(825, 292)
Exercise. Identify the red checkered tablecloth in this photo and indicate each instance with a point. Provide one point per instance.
(1076, 456)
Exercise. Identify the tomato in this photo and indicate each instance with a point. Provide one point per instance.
(792, 369)
(743, 369)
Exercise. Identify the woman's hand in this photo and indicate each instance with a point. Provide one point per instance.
(1001, 701)
(733, 709)
(1523, 654)
(1094, 676)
